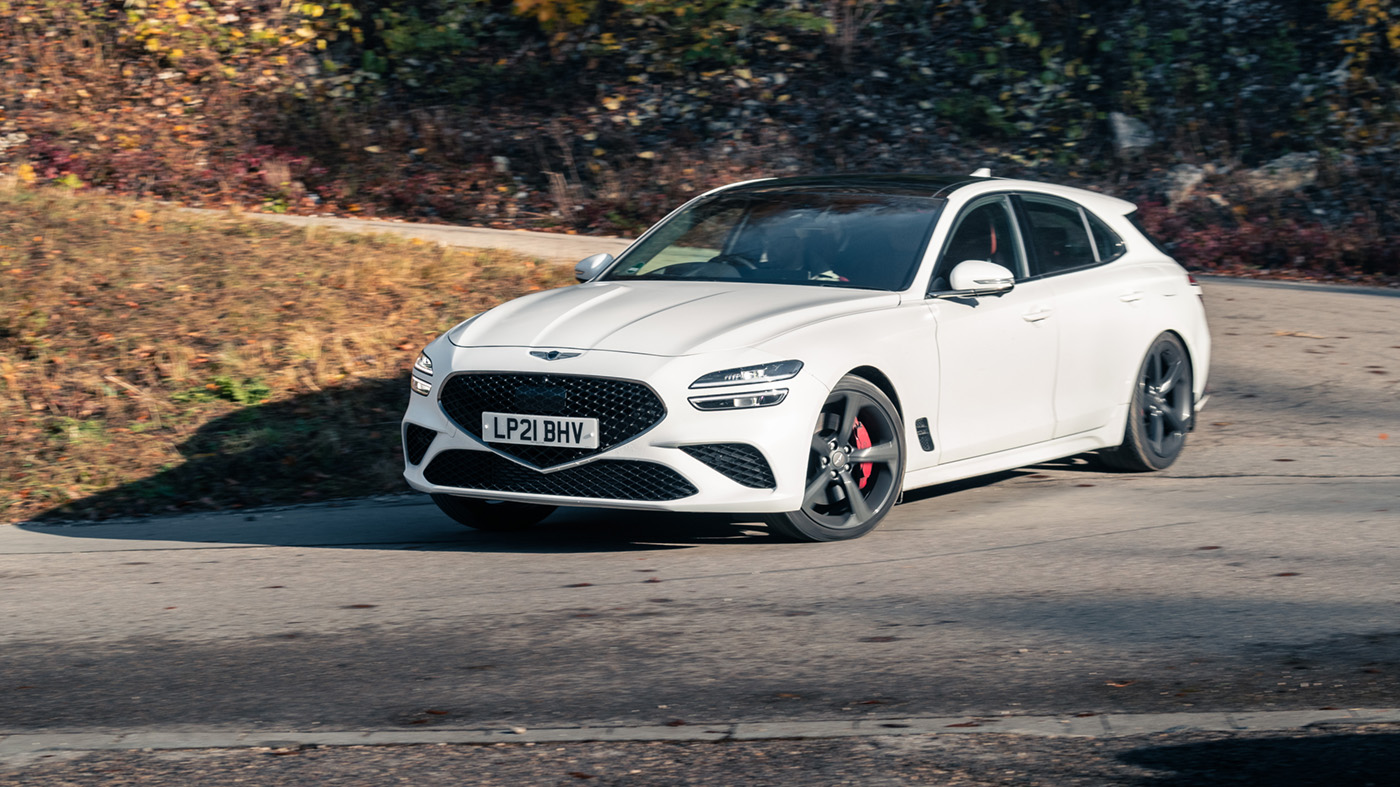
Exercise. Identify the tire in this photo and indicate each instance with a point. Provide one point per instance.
(846, 497)
(493, 515)
(1161, 412)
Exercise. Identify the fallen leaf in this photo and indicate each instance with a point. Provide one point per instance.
(1207, 547)
(1118, 684)
(1299, 334)
(359, 606)
(580, 585)
(965, 724)
(436, 712)
(675, 723)
(580, 775)
(659, 600)
(1287, 574)
(651, 579)
(879, 639)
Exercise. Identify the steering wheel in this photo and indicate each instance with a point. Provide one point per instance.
(737, 260)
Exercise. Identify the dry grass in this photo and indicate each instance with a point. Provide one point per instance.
(153, 359)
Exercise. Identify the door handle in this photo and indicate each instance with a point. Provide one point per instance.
(1129, 297)
(1037, 315)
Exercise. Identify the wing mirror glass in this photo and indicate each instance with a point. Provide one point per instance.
(978, 277)
(588, 268)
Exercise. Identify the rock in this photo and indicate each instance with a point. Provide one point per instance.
(1130, 135)
(1181, 181)
(1286, 173)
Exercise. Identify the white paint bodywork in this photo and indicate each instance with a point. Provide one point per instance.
(1043, 371)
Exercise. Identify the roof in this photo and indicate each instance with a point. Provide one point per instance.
(931, 186)
(925, 185)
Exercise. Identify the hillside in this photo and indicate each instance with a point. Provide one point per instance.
(1258, 135)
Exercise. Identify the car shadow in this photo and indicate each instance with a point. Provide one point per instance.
(1299, 761)
(340, 449)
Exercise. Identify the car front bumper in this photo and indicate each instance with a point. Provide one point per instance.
(651, 471)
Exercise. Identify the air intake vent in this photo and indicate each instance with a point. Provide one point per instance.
(742, 463)
(416, 441)
(607, 479)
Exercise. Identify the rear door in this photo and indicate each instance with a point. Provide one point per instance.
(1100, 309)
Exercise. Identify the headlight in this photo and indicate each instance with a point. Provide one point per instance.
(420, 386)
(424, 364)
(767, 373)
(739, 401)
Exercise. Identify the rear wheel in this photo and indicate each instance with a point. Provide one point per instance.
(1161, 411)
(855, 466)
(495, 515)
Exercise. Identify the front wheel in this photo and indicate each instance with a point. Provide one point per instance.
(1161, 411)
(855, 466)
(495, 515)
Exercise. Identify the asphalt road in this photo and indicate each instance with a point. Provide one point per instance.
(1261, 572)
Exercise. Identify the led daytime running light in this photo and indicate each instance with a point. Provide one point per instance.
(765, 373)
(424, 364)
(739, 401)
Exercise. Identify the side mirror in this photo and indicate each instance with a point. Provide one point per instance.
(588, 268)
(971, 278)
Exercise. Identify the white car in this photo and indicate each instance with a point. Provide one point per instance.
(805, 349)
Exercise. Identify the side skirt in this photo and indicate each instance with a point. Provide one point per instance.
(1106, 436)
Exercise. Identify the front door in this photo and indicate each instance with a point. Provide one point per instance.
(996, 354)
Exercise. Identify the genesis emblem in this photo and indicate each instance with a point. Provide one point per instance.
(553, 355)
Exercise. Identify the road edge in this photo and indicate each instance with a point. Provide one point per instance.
(25, 746)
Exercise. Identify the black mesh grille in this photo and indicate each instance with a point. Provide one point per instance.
(743, 463)
(624, 409)
(611, 479)
(416, 440)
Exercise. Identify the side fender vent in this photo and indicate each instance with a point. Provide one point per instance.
(925, 437)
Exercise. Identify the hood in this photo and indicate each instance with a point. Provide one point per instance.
(661, 318)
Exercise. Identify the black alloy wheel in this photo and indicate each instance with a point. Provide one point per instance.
(1161, 412)
(494, 515)
(855, 467)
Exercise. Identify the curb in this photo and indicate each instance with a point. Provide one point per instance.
(1108, 725)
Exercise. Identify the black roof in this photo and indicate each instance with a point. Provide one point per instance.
(917, 184)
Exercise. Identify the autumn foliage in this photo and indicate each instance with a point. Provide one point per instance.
(599, 115)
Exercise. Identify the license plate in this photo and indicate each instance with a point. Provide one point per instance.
(553, 430)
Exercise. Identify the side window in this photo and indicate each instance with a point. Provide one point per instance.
(1109, 246)
(1057, 235)
(987, 232)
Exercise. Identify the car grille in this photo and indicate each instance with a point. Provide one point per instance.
(742, 463)
(416, 440)
(624, 409)
(609, 479)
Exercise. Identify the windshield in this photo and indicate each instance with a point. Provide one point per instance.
(867, 241)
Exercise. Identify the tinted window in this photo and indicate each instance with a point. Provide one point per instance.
(1057, 236)
(986, 232)
(871, 241)
(1109, 245)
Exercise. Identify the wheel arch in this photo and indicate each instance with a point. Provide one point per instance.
(882, 381)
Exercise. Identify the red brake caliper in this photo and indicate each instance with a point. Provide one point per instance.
(862, 471)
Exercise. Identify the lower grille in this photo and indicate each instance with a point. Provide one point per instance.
(742, 463)
(416, 440)
(609, 479)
